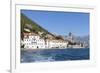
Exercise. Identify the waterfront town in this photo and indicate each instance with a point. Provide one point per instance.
(33, 40)
(34, 36)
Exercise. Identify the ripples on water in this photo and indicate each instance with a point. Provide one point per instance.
(47, 55)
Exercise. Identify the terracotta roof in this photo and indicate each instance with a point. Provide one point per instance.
(28, 34)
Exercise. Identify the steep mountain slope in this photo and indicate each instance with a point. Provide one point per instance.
(27, 25)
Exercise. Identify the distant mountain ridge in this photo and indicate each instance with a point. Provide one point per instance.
(84, 39)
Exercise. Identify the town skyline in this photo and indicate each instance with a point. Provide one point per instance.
(75, 22)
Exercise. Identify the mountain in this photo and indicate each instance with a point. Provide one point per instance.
(28, 25)
(84, 39)
(80, 39)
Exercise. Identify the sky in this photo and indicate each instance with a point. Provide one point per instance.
(61, 23)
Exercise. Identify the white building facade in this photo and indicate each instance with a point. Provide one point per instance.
(56, 44)
(34, 41)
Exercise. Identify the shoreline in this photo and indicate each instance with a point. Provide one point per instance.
(52, 49)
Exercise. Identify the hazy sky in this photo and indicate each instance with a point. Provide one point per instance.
(61, 22)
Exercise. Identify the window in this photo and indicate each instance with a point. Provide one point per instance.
(33, 42)
(34, 39)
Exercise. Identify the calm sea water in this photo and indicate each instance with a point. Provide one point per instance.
(47, 55)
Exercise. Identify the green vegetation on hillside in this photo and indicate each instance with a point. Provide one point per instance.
(30, 26)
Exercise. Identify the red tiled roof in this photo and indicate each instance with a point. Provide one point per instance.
(28, 34)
